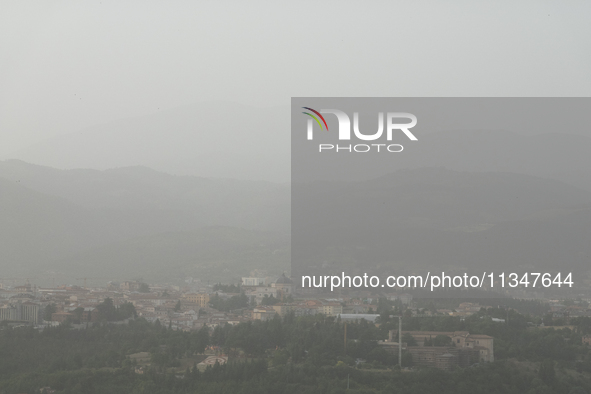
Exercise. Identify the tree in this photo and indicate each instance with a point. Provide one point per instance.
(280, 357)
(126, 310)
(78, 314)
(218, 336)
(380, 355)
(442, 340)
(177, 307)
(202, 339)
(107, 310)
(269, 300)
(144, 288)
(234, 302)
(547, 372)
(226, 288)
(49, 310)
(409, 339)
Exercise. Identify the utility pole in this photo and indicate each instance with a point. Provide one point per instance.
(345, 339)
(400, 341)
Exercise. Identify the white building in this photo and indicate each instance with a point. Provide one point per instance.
(251, 281)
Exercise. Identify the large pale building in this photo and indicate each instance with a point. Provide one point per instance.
(284, 286)
(21, 311)
(331, 308)
(284, 309)
(482, 345)
(26, 288)
(8, 312)
(30, 312)
(201, 299)
(263, 313)
(262, 291)
(443, 357)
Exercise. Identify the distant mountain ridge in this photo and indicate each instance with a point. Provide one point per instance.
(141, 222)
(564, 157)
(50, 215)
(212, 253)
(248, 204)
(229, 140)
(212, 139)
(433, 218)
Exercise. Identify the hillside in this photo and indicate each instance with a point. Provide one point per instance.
(57, 223)
(209, 254)
(212, 139)
(131, 222)
(414, 220)
(248, 204)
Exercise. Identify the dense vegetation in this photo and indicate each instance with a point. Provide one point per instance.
(231, 288)
(109, 312)
(229, 304)
(290, 355)
(256, 378)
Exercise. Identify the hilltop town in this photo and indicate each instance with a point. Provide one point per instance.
(184, 308)
(196, 306)
(197, 331)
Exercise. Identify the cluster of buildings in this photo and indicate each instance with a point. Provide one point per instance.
(18, 305)
(51, 306)
(21, 311)
(462, 348)
(560, 310)
(189, 308)
(183, 308)
(258, 289)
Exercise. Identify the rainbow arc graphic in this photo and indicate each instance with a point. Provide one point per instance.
(315, 118)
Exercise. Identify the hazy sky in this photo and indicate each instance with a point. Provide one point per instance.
(66, 65)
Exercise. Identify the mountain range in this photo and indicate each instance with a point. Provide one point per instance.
(229, 140)
(56, 222)
(134, 221)
(438, 219)
(212, 139)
